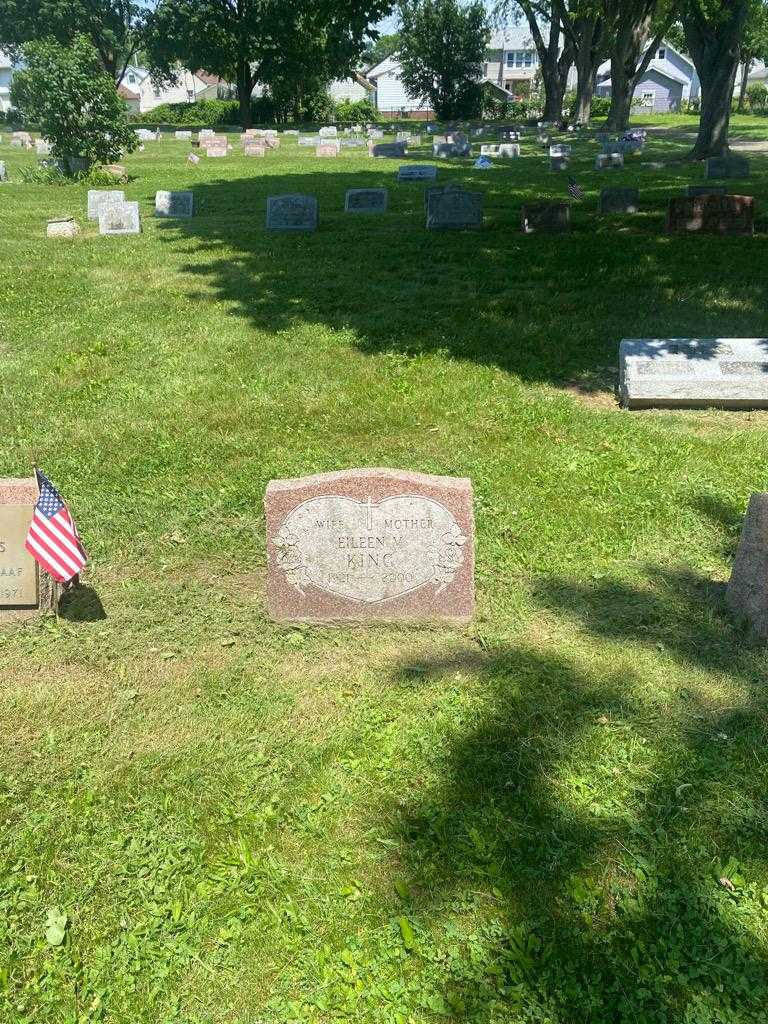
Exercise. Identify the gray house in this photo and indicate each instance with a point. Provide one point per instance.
(670, 79)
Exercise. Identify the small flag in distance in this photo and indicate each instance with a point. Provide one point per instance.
(53, 540)
(575, 191)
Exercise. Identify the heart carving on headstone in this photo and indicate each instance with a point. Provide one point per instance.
(367, 551)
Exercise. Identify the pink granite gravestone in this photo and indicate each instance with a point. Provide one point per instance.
(370, 544)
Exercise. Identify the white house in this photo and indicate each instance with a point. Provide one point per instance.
(141, 94)
(670, 80)
(510, 65)
(6, 74)
(355, 88)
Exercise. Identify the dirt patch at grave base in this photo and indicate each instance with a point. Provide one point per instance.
(594, 388)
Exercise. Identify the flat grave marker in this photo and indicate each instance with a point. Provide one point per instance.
(62, 227)
(417, 172)
(368, 545)
(25, 590)
(730, 373)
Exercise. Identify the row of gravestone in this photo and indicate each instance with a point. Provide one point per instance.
(362, 545)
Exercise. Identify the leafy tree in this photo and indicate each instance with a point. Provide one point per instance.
(714, 31)
(555, 61)
(757, 94)
(441, 53)
(754, 45)
(115, 27)
(584, 24)
(380, 48)
(635, 28)
(285, 45)
(65, 89)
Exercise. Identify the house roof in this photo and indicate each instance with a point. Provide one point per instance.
(127, 94)
(516, 37)
(362, 80)
(208, 78)
(377, 69)
(652, 69)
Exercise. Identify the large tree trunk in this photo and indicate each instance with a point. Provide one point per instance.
(632, 49)
(244, 85)
(745, 69)
(714, 42)
(550, 62)
(584, 37)
(585, 90)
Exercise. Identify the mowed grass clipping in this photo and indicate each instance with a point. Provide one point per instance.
(556, 815)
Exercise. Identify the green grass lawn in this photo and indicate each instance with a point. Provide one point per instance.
(523, 821)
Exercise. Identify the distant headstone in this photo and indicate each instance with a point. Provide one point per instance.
(509, 150)
(395, 150)
(174, 204)
(712, 215)
(182, 136)
(727, 167)
(366, 200)
(98, 198)
(609, 161)
(454, 209)
(370, 544)
(546, 218)
(21, 140)
(62, 227)
(694, 372)
(207, 141)
(43, 147)
(328, 133)
(292, 213)
(325, 150)
(747, 592)
(193, 158)
(417, 172)
(3, 171)
(375, 133)
(619, 200)
(116, 170)
(254, 147)
(308, 140)
(216, 150)
(509, 135)
(489, 150)
(25, 589)
(705, 190)
(271, 141)
(560, 149)
(119, 219)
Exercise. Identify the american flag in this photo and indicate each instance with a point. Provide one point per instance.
(53, 540)
(575, 191)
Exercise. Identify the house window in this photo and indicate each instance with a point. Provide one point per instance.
(648, 99)
(528, 58)
(662, 53)
(156, 91)
(132, 79)
(510, 60)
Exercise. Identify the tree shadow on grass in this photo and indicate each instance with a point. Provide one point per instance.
(545, 308)
(590, 819)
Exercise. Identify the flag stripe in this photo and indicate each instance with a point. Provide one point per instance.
(53, 525)
(49, 564)
(50, 545)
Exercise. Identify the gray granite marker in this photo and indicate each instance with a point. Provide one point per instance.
(174, 204)
(293, 212)
(730, 373)
(366, 200)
